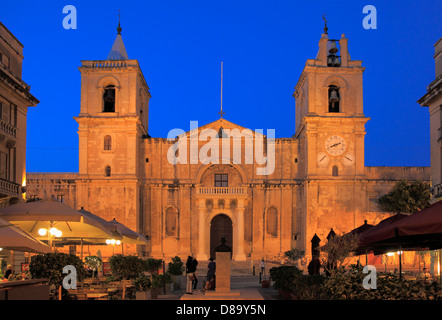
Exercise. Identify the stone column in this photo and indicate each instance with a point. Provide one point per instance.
(240, 256)
(202, 252)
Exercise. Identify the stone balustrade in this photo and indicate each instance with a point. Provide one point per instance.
(8, 129)
(107, 64)
(9, 187)
(221, 191)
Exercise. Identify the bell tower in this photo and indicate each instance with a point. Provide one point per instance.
(114, 115)
(330, 122)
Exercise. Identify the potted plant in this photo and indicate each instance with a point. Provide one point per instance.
(152, 266)
(143, 286)
(126, 267)
(50, 266)
(93, 263)
(167, 278)
(176, 270)
(157, 283)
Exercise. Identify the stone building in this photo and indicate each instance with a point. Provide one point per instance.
(15, 98)
(317, 181)
(433, 100)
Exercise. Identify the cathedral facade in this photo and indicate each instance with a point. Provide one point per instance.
(297, 189)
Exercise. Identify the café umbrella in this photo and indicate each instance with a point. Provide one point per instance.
(13, 238)
(126, 235)
(52, 220)
(129, 236)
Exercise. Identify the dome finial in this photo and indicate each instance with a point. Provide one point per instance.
(325, 26)
(119, 27)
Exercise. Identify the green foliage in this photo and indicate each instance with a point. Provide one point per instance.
(157, 281)
(294, 254)
(92, 262)
(176, 267)
(291, 279)
(126, 267)
(339, 249)
(152, 265)
(406, 197)
(348, 285)
(142, 283)
(309, 287)
(50, 266)
(284, 276)
(166, 277)
(110, 278)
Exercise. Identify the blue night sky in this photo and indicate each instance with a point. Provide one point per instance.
(263, 44)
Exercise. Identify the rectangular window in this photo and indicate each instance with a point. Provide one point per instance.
(13, 115)
(5, 113)
(221, 180)
(3, 165)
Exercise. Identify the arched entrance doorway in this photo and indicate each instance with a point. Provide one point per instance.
(220, 227)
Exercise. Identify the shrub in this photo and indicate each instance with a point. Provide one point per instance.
(347, 285)
(126, 267)
(152, 265)
(50, 266)
(92, 262)
(142, 283)
(284, 277)
(176, 267)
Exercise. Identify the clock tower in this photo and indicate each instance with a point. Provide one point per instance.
(330, 123)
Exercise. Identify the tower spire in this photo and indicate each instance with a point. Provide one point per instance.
(221, 112)
(325, 26)
(119, 26)
(118, 51)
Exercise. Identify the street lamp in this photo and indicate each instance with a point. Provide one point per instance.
(113, 242)
(52, 233)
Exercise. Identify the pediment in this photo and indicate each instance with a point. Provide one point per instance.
(225, 125)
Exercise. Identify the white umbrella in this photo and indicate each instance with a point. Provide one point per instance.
(47, 214)
(13, 238)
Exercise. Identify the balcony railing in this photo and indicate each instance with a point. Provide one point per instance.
(221, 191)
(9, 188)
(7, 128)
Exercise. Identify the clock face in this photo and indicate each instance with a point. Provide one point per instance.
(323, 159)
(335, 145)
(348, 159)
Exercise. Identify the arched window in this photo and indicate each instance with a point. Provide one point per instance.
(109, 99)
(171, 222)
(272, 222)
(107, 143)
(335, 171)
(333, 99)
(107, 171)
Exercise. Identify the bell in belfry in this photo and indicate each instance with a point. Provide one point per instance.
(333, 48)
(334, 96)
(108, 96)
(336, 62)
(330, 61)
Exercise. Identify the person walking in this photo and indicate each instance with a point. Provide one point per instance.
(210, 278)
(189, 274)
(262, 266)
(195, 281)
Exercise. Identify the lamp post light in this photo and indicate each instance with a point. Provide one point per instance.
(113, 242)
(52, 233)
